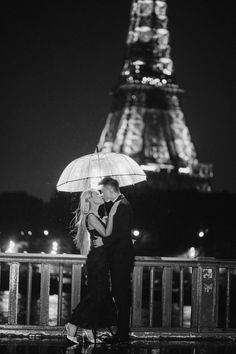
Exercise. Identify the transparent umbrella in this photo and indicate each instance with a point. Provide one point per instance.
(87, 171)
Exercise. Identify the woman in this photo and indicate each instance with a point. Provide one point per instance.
(97, 308)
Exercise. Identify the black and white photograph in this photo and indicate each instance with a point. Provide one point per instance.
(118, 177)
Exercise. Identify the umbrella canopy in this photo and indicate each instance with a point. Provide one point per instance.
(87, 171)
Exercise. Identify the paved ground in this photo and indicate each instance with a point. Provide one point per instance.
(60, 346)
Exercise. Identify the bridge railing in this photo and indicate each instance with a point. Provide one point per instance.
(169, 295)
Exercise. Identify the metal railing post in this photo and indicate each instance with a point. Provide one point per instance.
(13, 293)
(137, 296)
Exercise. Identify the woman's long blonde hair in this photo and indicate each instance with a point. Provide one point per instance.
(81, 238)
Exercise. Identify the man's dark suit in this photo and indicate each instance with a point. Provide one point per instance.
(121, 257)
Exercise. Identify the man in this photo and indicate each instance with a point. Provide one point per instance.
(120, 256)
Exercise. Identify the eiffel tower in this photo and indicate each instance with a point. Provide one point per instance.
(146, 120)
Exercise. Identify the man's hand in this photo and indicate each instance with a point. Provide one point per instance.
(98, 242)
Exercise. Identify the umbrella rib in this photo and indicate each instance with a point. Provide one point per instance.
(72, 168)
(90, 158)
(108, 165)
(99, 164)
(127, 159)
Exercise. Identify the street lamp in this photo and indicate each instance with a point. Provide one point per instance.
(201, 233)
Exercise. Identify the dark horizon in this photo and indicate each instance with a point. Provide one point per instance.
(60, 62)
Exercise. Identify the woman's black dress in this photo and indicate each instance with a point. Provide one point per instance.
(96, 308)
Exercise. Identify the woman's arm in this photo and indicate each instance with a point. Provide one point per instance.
(96, 224)
(109, 226)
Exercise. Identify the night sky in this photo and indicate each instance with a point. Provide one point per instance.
(60, 60)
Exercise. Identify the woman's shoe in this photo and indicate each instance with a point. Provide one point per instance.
(68, 334)
(90, 336)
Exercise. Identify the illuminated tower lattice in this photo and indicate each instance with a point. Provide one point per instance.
(146, 121)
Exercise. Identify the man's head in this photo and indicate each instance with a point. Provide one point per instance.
(110, 188)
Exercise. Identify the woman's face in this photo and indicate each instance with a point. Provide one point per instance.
(97, 198)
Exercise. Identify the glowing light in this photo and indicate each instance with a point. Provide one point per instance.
(22, 233)
(154, 81)
(136, 233)
(138, 62)
(166, 64)
(192, 252)
(54, 247)
(130, 79)
(166, 71)
(149, 167)
(160, 8)
(143, 29)
(146, 79)
(201, 234)
(46, 232)
(11, 247)
(30, 233)
(184, 170)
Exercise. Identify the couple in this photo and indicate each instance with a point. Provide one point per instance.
(110, 256)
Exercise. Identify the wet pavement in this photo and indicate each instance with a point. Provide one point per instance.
(61, 346)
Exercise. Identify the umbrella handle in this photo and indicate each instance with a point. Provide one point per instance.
(99, 163)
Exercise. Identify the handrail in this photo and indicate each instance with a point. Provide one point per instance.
(52, 258)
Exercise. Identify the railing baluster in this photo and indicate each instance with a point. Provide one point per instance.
(13, 293)
(181, 296)
(167, 276)
(0, 274)
(29, 293)
(151, 307)
(44, 293)
(75, 285)
(194, 298)
(137, 296)
(227, 316)
(60, 289)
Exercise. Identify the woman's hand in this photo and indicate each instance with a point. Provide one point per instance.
(104, 219)
(114, 208)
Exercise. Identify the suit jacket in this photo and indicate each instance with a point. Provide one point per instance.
(120, 239)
